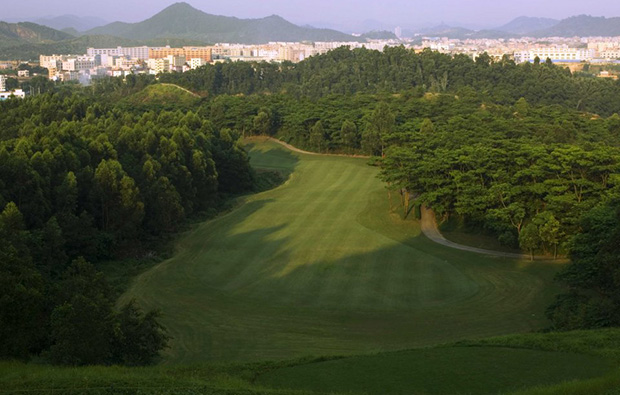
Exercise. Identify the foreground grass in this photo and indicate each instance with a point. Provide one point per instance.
(583, 362)
(319, 266)
(448, 370)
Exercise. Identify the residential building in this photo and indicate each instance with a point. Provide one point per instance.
(195, 63)
(556, 54)
(158, 66)
(3, 79)
(18, 93)
(133, 53)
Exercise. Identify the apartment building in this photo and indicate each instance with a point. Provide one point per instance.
(133, 53)
(203, 53)
(159, 65)
(3, 79)
(556, 54)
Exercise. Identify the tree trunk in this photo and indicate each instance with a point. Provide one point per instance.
(406, 204)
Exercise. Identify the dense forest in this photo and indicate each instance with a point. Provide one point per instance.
(398, 70)
(522, 152)
(527, 153)
(82, 181)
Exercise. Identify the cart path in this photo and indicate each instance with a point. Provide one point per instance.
(428, 222)
(181, 88)
(430, 230)
(295, 149)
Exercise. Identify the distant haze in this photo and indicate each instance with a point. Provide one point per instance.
(340, 14)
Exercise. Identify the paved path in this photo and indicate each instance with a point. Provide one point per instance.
(430, 230)
(428, 222)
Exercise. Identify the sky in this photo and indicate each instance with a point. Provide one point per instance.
(406, 13)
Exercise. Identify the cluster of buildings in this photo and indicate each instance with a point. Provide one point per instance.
(5, 93)
(521, 50)
(120, 61)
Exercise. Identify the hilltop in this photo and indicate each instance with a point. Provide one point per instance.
(181, 20)
(576, 26)
(12, 34)
(525, 25)
(583, 26)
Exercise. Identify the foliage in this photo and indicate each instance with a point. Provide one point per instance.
(397, 70)
(479, 361)
(593, 277)
(84, 179)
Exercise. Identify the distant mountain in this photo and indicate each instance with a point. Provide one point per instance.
(525, 25)
(583, 26)
(80, 24)
(444, 30)
(462, 33)
(379, 35)
(181, 20)
(12, 34)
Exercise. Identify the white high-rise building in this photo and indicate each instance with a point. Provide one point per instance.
(398, 32)
(3, 79)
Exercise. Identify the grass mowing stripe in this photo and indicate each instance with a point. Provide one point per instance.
(320, 265)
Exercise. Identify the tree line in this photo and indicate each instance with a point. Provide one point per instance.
(396, 70)
(83, 181)
(521, 151)
(528, 153)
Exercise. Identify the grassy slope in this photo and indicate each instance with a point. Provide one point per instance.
(449, 370)
(164, 95)
(582, 362)
(318, 266)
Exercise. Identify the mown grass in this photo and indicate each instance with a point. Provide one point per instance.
(582, 362)
(320, 266)
(447, 370)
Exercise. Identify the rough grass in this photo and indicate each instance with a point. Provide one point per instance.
(582, 362)
(319, 266)
(447, 370)
(165, 96)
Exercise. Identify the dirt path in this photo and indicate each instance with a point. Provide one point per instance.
(430, 230)
(295, 149)
(181, 88)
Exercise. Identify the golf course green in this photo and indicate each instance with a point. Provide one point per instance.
(322, 265)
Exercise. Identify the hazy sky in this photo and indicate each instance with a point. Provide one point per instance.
(342, 12)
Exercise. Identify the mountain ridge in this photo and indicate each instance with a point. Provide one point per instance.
(181, 20)
(583, 26)
(526, 25)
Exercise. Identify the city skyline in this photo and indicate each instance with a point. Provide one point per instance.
(346, 14)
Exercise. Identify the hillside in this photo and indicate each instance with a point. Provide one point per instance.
(162, 96)
(78, 23)
(583, 26)
(374, 284)
(181, 20)
(524, 25)
(12, 34)
(555, 363)
(462, 33)
(379, 35)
